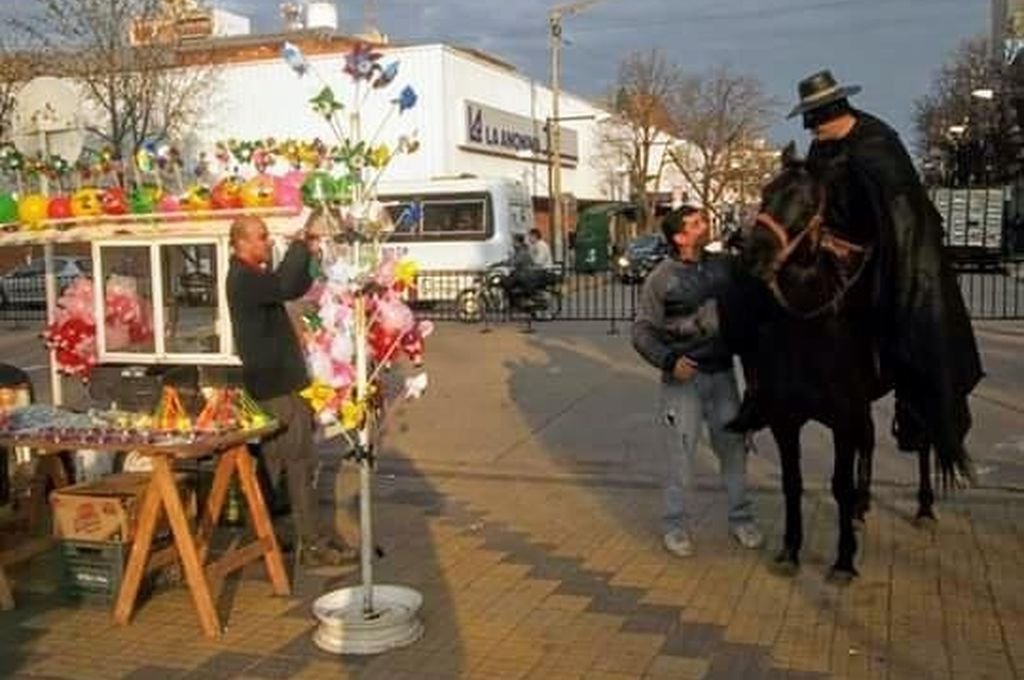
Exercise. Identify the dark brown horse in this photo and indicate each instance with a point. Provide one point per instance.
(815, 355)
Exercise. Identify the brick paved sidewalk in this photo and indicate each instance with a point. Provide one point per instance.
(520, 498)
(564, 578)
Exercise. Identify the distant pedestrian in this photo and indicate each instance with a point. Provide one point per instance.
(676, 331)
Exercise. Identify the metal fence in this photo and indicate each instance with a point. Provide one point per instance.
(22, 301)
(986, 247)
(598, 296)
(993, 288)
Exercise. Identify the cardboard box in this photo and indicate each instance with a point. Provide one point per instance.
(107, 509)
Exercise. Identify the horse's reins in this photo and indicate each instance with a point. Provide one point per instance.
(820, 236)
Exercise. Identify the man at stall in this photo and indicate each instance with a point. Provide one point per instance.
(274, 370)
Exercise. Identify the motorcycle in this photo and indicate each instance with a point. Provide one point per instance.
(496, 291)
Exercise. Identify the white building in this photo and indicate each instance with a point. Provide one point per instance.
(476, 115)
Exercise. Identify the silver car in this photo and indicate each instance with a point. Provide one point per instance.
(25, 285)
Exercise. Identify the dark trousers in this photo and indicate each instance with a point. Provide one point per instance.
(291, 449)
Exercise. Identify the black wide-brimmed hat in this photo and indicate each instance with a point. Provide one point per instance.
(821, 89)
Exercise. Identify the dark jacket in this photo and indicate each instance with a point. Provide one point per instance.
(677, 314)
(927, 345)
(272, 361)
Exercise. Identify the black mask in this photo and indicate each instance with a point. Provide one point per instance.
(823, 114)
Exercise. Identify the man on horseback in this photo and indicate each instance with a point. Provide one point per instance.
(676, 331)
(925, 343)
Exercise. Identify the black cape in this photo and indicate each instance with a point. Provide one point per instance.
(927, 347)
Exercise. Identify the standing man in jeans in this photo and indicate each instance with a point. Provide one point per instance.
(274, 370)
(676, 331)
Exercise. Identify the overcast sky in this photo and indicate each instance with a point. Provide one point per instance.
(890, 47)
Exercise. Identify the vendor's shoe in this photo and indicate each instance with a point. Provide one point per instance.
(320, 554)
(748, 535)
(347, 553)
(750, 417)
(678, 543)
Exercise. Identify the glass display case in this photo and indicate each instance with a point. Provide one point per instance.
(162, 300)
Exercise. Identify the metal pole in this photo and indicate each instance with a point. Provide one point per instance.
(362, 397)
(50, 279)
(365, 519)
(554, 134)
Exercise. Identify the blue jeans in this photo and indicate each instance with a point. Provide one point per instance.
(710, 398)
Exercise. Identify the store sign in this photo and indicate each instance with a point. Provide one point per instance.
(494, 131)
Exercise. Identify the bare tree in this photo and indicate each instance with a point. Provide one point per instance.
(959, 135)
(949, 102)
(14, 72)
(723, 117)
(129, 67)
(631, 141)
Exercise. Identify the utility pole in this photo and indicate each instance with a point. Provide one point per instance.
(554, 133)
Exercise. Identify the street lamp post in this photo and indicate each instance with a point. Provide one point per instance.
(554, 135)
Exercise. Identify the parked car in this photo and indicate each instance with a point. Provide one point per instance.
(640, 257)
(25, 285)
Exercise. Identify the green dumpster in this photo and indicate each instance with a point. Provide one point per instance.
(593, 237)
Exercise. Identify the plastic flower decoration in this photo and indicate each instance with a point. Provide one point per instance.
(410, 217)
(406, 100)
(386, 76)
(145, 157)
(405, 274)
(293, 56)
(380, 156)
(361, 62)
(357, 319)
(325, 103)
(318, 394)
(352, 415)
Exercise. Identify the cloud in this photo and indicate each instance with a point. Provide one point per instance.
(891, 47)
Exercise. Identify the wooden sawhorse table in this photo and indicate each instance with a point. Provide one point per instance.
(161, 496)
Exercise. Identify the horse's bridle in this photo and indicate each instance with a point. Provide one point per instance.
(821, 237)
(789, 246)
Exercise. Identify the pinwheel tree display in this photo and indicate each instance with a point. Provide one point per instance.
(359, 324)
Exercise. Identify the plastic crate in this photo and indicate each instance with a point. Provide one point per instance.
(94, 570)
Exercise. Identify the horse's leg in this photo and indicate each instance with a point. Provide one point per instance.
(787, 437)
(845, 493)
(925, 495)
(865, 464)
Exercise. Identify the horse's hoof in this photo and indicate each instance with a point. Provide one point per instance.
(841, 576)
(786, 563)
(859, 524)
(926, 521)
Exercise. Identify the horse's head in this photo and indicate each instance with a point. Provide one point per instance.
(791, 207)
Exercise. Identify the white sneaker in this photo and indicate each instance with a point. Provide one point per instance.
(678, 543)
(748, 535)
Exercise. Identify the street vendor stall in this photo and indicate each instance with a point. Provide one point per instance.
(150, 315)
(157, 296)
(162, 496)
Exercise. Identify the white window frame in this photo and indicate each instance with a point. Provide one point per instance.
(160, 355)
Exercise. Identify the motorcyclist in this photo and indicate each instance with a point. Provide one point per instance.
(525, 277)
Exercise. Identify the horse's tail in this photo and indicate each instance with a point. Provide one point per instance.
(956, 469)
